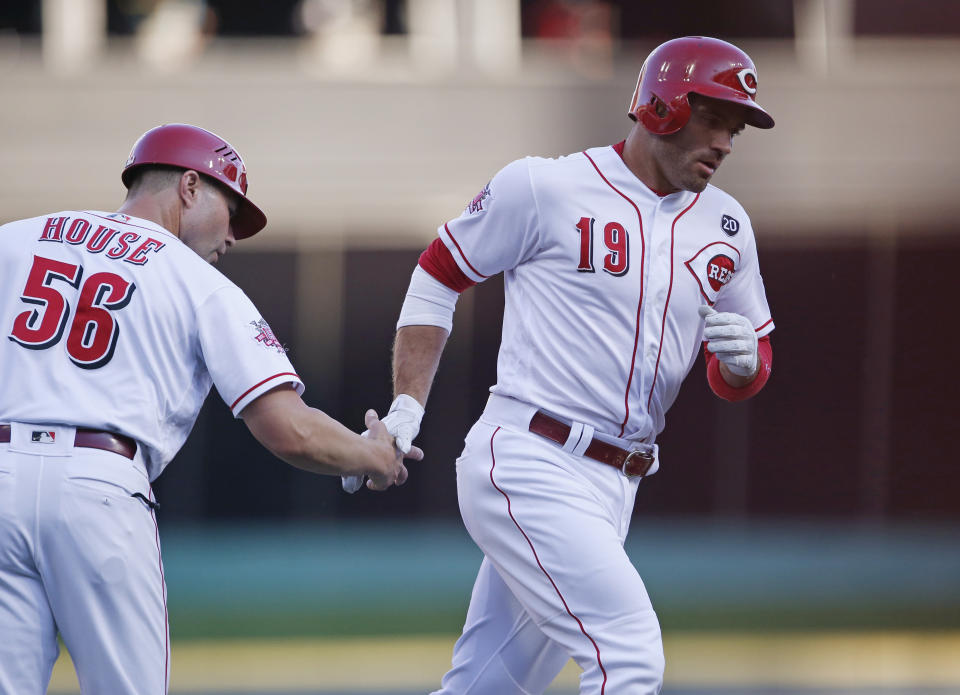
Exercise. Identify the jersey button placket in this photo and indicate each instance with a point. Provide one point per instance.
(659, 278)
(643, 329)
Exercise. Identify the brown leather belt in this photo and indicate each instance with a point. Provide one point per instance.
(631, 463)
(89, 439)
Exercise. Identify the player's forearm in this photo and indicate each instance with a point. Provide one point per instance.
(416, 355)
(320, 444)
(310, 439)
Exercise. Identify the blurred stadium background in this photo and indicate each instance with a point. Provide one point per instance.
(807, 541)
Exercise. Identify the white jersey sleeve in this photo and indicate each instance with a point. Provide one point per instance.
(243, 356)
(745, 293)
(498, 230)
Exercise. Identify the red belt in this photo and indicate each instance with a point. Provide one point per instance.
(631, 463)
(91, 439)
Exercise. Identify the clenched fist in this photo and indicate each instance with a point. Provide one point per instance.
(732, 339)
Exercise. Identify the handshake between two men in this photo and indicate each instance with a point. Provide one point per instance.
(403, 423)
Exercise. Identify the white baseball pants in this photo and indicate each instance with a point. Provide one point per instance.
(78, 555)
(555, 582)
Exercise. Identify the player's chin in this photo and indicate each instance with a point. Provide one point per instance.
(696, 184)
(697, 177)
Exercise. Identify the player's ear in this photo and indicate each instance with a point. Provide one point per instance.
(188, 188)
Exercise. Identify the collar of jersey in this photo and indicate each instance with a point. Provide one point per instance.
(132, 222)
(619, 174)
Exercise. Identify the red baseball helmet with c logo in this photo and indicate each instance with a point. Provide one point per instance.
(697, 64)
(190, 147)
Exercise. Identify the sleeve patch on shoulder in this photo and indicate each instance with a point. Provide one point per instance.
(729, 225)
(263, 334)
(481, 202)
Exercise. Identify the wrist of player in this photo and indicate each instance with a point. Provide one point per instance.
(403, 421)
(743, 366)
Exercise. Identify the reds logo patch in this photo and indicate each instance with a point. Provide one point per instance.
(712, 267)
(477, 204)
(719, 271)
(263, 334)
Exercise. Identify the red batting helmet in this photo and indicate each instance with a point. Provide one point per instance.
(190, 147)
(698, 64)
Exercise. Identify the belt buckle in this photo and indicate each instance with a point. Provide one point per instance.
(638, 458)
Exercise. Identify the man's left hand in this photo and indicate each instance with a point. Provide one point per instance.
(732, 339)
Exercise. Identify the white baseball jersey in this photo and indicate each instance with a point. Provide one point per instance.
(603, 279)
(115, 324)
(603, 282)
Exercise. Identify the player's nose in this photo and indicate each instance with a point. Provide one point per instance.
(723, 144)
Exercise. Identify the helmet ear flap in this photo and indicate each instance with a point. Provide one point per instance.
(662, 118)
(651, 120)
(658, 106)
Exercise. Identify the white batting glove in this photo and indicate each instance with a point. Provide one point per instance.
(732, 339)
(403, 423)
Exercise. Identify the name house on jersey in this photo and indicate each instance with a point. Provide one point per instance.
(128, 246)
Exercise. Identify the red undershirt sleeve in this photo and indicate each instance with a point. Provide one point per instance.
(731, 393)
(438, 261)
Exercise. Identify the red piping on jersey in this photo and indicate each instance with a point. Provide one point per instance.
(727, 392)
(766, 323)
(636, 335)
(244, 394)
(663, 321)
(462, 255)
(158, 228)
(163, 593)
(694, 273)
(493, 464)
(715, 243)
(438, 262)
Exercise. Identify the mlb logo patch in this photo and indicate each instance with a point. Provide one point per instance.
(43, 437)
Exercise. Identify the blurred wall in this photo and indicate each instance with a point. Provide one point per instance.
(852, 196)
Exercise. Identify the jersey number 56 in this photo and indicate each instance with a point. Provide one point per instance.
(94, 330)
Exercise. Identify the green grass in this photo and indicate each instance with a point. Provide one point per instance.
(415, 579)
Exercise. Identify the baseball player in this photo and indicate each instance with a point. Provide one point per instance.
(115, 326)
(619, 262)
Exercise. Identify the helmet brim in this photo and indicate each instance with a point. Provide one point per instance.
(755, 114)
(248, 221)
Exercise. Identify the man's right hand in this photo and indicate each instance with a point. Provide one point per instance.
(393, 472)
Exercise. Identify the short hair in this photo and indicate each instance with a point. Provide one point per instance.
(151, 178)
